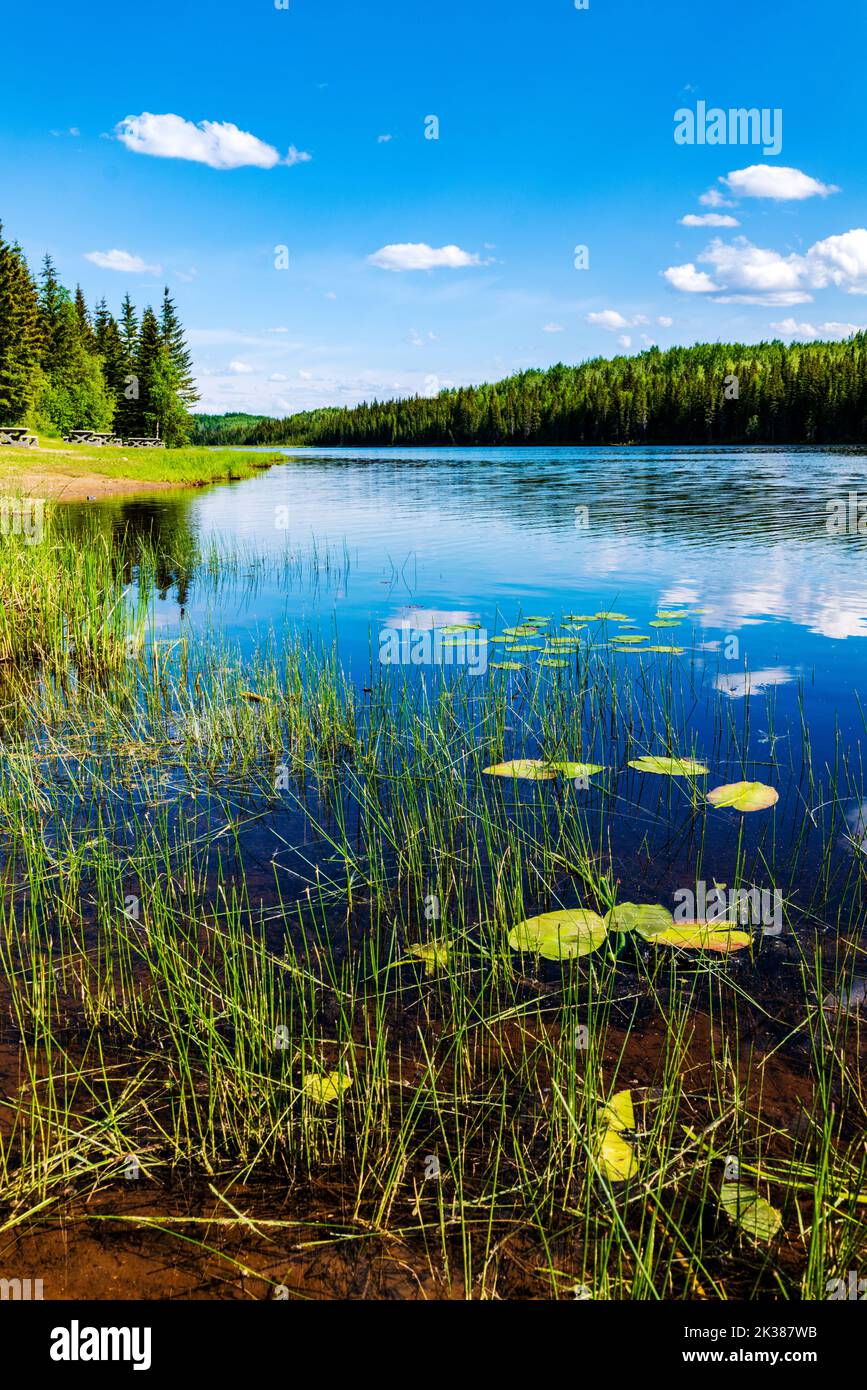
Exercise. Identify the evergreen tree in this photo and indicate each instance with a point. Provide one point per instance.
(19, 335)
(85, 330)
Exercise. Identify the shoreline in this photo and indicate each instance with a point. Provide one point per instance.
(81, 475)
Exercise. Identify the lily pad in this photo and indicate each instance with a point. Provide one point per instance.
(751, 1212)
(647, 919)
(560, 935)
(555, 663)
(460, 627)
(568, 769)
(744, 796)
(616, 1155)
(323, 1089)
(522, 647)
(611, 617)
(435, 956)
(670, 767)
(673, 613)
(506, 666)
(630, 639)
(702, 936)
(531, 769)
(663, 622)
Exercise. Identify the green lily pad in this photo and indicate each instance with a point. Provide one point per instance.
(628, 640)
(744, 796)
(750, 1211)
(461, 627)
(670, 767)
(555, 663)
(648, 920)
(663, 622)
(560, 935)
(531, 769)
(611, 617)
(673, 613)
(323, 1089)
(616, 1155)
(702, 936)
(435, 956)
(506, 666)
(573, 770)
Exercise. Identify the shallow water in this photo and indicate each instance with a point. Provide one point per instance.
(761, 546)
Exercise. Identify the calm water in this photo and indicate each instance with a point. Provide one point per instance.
(420, 538)
(447, 535)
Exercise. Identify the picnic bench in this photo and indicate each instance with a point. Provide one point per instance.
(90, 437)
(144, 442)
(17, 434)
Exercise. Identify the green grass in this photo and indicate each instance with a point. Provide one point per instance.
(181, 466)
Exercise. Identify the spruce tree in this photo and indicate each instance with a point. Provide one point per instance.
(19, 335)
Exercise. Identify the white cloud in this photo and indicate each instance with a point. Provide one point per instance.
(841, 261)
(417, 255)
(748, 274)
(790, 328)
(240, 368)
(123, 261)
(219, 144)
(664, 321)
(609, 319)
(714, 199)
(624, 340)
(554, 328)
(776, 181)
(689, 280)
(709, 219)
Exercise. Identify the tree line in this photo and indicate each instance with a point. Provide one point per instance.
(64, 366)
(714, 393)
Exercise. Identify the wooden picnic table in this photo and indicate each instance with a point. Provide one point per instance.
(145, 442)
(17, 434)
(91, 437)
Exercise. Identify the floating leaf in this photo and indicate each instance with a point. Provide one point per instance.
(629, 638)
(435, 956)
(611, 617)
(748, 1210)
(461, 627)
(577, 769)
(702, 936)
(560, 935)
(532, 769)
(648, 920)
(670, 767)
(744, 796)
(323, 1089)
(536, 620)
(615, 1155)
(556, 663)
(663, 622)
(581, 617)
(506, 666)
(673, 613)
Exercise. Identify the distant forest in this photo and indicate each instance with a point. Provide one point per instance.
(709, 394)
(64, 366)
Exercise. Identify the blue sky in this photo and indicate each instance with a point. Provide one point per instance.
(556, 129)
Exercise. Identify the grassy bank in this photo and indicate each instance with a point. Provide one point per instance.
(80, 469)
(260, 1010)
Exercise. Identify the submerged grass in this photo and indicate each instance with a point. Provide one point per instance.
(255, 962)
